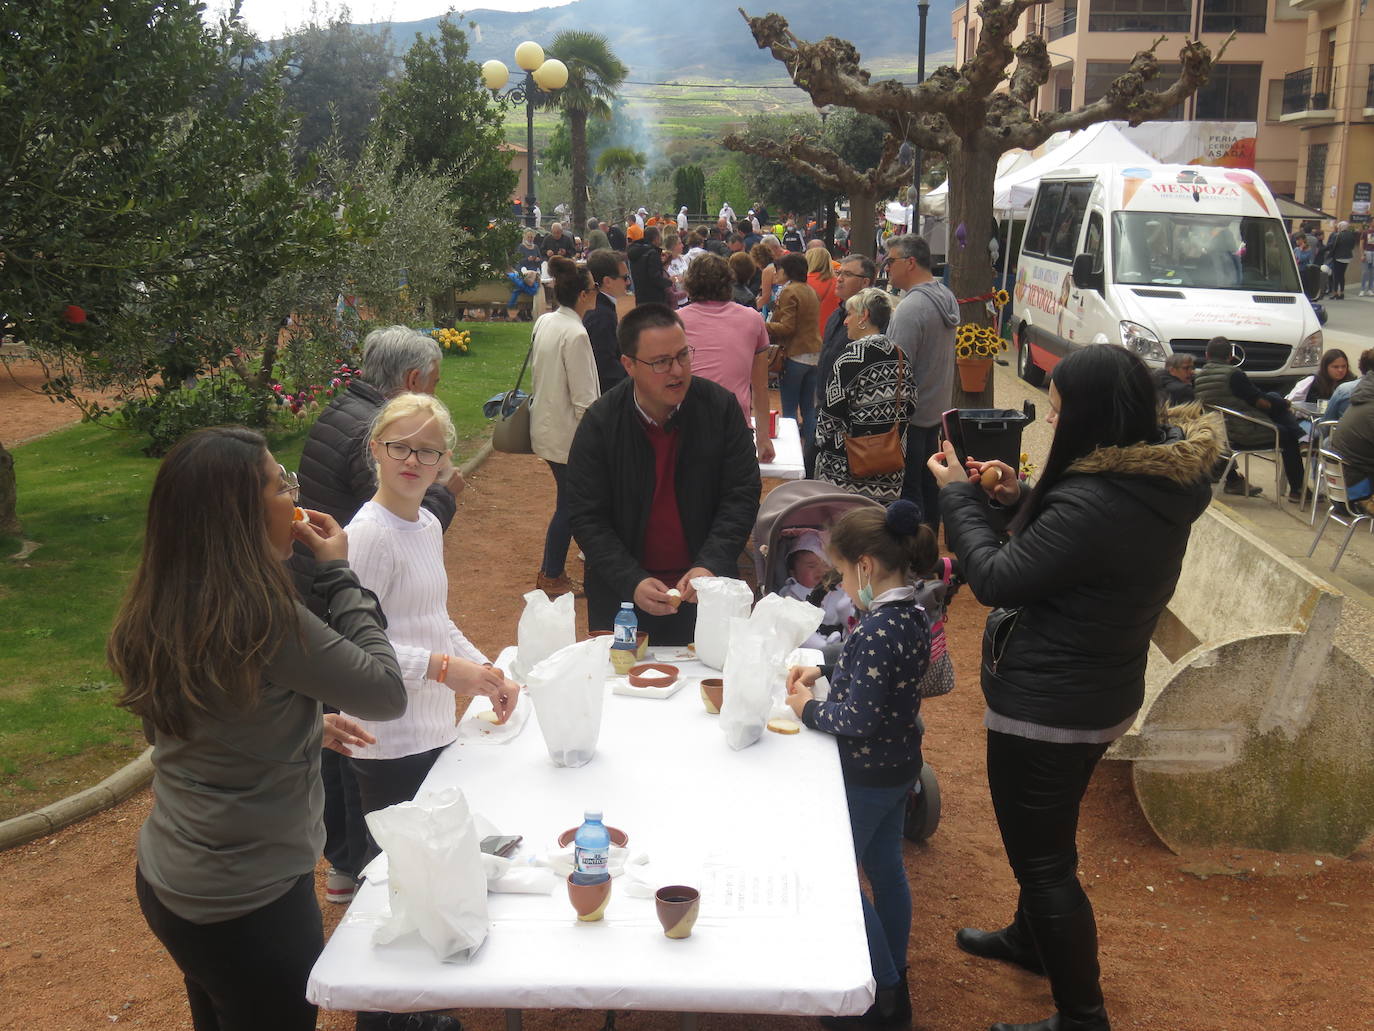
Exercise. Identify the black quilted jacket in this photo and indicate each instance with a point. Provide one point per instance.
(1088, 577)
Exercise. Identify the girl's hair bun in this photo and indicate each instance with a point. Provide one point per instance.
(903, 518)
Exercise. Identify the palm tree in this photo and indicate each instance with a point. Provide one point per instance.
(594, 74)
(619, 164)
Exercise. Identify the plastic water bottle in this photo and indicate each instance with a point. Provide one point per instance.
(591, 850)
(626, 627)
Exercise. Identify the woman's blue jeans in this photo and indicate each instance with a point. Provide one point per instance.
(875, 818)
(798, 389)
(1367, 275)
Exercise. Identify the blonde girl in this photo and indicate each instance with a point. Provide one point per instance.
(396, 547)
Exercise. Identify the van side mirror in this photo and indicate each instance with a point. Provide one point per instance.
(1083, 275)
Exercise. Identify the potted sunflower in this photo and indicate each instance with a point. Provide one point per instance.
(975, 347)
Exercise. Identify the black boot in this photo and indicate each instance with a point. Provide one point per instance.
(1012, 944)
(1068, 948)
(891, 1008)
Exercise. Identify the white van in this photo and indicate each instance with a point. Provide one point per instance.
(1160, 259)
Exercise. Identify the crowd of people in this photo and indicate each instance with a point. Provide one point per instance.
(287, 642)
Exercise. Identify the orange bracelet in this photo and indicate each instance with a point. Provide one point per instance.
(443, 669)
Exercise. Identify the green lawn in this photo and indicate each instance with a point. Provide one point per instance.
(82, 496)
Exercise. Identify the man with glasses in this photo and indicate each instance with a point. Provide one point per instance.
(923, 327)
(611, 275)
(663, 482)
(856, 272)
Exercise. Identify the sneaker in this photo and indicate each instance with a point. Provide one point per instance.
(339, 887)
(553, 586)
(1243, 489)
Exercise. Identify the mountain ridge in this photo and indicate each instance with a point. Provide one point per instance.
(714, 44)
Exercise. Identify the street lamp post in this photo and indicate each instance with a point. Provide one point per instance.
(923, 11)
(542, 78)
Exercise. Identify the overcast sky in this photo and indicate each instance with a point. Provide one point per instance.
(270, 18)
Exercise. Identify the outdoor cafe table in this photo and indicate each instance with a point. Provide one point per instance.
(787, 453)
(762, 832)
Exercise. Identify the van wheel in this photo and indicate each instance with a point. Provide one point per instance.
(1025, 367)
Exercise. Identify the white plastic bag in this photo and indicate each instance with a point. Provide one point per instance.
(719, 600)
(756, 665)
(437, 883)
(545, 627)
(568, 690)
(749, 695)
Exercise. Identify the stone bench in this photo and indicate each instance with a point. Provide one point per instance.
(1256, 730)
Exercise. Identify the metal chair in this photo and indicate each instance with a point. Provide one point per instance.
(1312, 476)
(1233, 453)
(1340, 506)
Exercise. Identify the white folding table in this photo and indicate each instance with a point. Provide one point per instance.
(787, 453)
(763, 832)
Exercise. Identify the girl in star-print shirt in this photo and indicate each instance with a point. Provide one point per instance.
(872, 709)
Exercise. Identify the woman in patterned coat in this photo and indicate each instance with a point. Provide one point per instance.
(870, 388)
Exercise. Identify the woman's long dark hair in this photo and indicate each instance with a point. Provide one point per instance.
(1323, 386)
(1107, 399)
(210, 601)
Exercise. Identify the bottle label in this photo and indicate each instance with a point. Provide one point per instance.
(625, 636)
(592, 862)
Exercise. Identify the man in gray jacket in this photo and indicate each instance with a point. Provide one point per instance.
(923, 327)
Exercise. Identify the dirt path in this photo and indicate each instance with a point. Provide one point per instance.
(1283, 943)
(24, 412)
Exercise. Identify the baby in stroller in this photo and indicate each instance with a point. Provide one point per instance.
(810, 578)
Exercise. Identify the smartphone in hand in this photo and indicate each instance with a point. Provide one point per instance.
(952, 430)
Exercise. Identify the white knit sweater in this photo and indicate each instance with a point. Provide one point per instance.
(402, 562)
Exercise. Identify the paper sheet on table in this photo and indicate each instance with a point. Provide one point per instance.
(472, 729)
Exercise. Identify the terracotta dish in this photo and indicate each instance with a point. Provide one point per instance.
(653, 674)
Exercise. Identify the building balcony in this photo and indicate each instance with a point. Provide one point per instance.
(1312, 5)
(1308, 95)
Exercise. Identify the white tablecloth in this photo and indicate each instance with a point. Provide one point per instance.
(771, 818)
(787, 453)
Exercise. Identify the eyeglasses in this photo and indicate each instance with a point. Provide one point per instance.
(844, 274)
(662, 365)
(290, 484)
(400, 451)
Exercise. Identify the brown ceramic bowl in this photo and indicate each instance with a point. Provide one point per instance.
(619, 838)
(653, 674)
(712, 694)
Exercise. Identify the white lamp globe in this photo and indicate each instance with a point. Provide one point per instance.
(529, 55)
(494, 74)
(551, 75)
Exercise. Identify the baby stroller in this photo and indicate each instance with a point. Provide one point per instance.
(813, 505)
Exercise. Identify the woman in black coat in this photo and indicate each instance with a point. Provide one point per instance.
(1093, 556)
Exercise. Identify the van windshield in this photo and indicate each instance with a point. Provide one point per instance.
(1212, 252)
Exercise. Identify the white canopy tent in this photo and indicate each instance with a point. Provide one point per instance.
(1018, 173)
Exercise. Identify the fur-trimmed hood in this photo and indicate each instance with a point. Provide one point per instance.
(1191, 446)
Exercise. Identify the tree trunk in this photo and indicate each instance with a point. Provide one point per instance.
(9, 495)
(862, 225)
(577, 138)
(971, 176)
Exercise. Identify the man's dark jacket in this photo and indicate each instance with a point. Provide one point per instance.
(601, 323)
(834, 340)
(336, 470)
(646, 270)
(610, 486)
(1079, 589)
(1171, 389)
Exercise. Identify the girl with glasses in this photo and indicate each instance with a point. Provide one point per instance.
(397, 549)
(228, 670)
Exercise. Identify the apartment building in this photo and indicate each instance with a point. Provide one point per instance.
(1091, 42)
(1331, 99)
